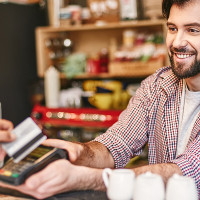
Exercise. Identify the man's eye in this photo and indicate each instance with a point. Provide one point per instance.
(193, 30)
(172, 29)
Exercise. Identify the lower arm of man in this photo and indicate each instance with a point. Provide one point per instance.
(91, 178)
(94, 154)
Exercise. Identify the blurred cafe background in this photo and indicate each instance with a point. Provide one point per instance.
(73, 65)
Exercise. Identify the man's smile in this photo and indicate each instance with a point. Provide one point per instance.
(183, 56)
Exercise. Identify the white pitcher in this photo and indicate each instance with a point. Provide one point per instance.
(119, 183)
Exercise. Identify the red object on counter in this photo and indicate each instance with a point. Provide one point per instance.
(81, 117)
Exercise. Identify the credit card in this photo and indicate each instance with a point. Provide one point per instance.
(28, 137)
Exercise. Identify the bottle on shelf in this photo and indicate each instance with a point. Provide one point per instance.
(103, 60)
(52, 87)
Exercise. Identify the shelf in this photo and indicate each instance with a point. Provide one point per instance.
(91, 76)
(90, 39)
(124, 24)
(104, 76)
(136, 69)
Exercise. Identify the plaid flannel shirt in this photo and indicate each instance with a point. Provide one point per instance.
(153, 116)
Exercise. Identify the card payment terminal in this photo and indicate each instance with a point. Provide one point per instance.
(16, 173)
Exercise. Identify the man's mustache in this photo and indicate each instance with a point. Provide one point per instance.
(181, 50)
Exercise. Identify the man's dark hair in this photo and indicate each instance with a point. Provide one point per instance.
(167, 4)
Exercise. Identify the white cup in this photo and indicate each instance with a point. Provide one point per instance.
(119, 183)
(149, 186)
(181, 187)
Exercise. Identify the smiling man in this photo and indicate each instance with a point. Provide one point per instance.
(165, 113)
(183, 41)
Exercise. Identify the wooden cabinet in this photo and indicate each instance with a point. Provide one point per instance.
(90, 39)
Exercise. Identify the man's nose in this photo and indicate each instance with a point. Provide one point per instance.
(180, 40)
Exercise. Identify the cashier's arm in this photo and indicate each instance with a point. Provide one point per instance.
(96, 155)
(83, 172)
(91, 154)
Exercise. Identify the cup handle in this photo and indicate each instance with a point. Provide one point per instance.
(105, 175)
(91, 100)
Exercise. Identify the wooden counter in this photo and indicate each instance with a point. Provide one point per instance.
(8, 197)
(6, 194)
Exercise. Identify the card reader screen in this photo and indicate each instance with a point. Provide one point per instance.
(39, 152)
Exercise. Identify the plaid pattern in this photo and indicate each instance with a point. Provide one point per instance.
(152, 116)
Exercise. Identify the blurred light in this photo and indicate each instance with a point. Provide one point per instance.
(67, 42)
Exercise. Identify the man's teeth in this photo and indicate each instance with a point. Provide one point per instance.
(183, 55)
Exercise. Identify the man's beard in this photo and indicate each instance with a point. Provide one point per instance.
(178, 69)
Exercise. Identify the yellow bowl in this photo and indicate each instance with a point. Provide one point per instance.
(101, 100)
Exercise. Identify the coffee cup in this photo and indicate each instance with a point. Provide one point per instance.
(101, 100)
(119, 183)
(181, 187)
(115, 86)
(149, 186)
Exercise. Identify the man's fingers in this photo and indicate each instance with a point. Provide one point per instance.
(71, 148)
(55, 143)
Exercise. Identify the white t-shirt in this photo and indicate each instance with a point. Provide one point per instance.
(190, 107)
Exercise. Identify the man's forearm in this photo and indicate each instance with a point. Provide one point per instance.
(92, 178)
(166, 170)
(94, 154)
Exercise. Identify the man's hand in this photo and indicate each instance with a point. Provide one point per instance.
(91, 154)
(60, 176)
(74, 149)
(63, 175)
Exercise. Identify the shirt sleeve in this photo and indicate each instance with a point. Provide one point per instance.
(189, 161)
(129, 134)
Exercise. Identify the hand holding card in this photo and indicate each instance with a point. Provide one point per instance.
(28, 137)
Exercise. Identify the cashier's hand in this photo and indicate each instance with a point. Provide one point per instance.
(61, 175)
(5, 135)
(73, 149)
(53, 179)
(58, 177)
